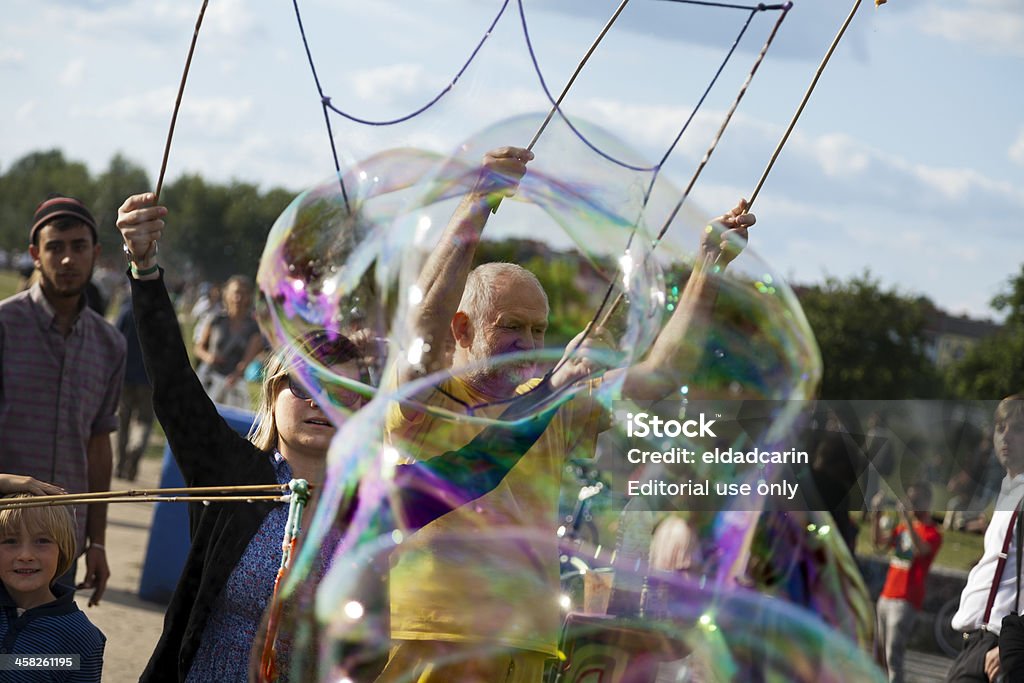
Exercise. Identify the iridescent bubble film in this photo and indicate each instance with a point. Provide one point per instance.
(477, 514)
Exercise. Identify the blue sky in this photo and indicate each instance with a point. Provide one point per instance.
(908, 161)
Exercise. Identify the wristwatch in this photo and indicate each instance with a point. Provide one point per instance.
(131, 259)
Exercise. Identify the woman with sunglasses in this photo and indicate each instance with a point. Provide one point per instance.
(229, 575)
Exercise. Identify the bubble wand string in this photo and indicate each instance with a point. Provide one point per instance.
(778, 149)
(280, 498)
(173, 495)
(579, 68)
(784, 8)
(803, 103)
(706, 263)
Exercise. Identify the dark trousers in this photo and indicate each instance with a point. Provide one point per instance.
(969, 666)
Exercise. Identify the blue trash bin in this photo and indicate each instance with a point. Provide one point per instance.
(168, 534)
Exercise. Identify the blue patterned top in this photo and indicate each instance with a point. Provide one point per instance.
(224, 650)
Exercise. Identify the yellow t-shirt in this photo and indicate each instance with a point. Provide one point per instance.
(487, 572)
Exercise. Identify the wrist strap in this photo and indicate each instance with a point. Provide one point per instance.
(137, 272)
(98, 546)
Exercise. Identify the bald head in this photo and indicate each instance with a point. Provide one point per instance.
(504, 310)
(487, 281)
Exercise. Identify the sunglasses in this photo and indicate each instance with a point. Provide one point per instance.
(338, 396)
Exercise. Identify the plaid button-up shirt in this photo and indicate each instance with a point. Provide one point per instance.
(55, 391)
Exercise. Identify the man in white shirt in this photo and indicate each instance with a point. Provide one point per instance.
(992, 584)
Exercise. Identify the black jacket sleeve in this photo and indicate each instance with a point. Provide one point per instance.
(206, 448)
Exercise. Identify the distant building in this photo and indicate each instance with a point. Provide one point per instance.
(951, 337)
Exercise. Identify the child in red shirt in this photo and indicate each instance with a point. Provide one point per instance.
(914, 544)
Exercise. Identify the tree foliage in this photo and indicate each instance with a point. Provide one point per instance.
(214, 230)
(27, 182)
(995, 367)
(872, 341)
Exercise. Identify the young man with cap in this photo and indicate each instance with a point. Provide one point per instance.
(61, 370)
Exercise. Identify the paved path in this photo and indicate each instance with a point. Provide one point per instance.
(926, 668)
(132, 626)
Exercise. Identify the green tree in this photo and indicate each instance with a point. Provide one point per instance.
(995, 367)
(1012, 300)
(872, 341)
(219, 230)
(28, 181)
(214, 230)
(122, 178)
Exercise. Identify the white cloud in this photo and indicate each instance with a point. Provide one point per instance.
(652, 128)
(210, 114)
(73, 72)
(833, 162)
(840, 155)
(25, 112)
(651, 125)
(1016, 151)
(143, 105)
(958, 184)
(11, 56)
(387, 84)
(121, 19)
(229, 19)
(217, 113)
(994, 26)
(784, 210)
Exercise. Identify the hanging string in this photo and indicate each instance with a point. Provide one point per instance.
(556, 103)
(447, 89)
(323, 107)
(555, 106)
(326, 104)
(568, 85)
(686, 125)
(583, 138)
(707, 3)
(725, 122)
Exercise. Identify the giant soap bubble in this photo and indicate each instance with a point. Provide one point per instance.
(452, 539)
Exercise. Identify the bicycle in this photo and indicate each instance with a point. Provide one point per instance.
(949, 640)
(578, 533)
(578, 525)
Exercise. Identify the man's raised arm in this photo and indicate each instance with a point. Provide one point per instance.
(676, 351)
(444, 274)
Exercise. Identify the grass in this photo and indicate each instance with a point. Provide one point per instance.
(8, 283)
(960, 549)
